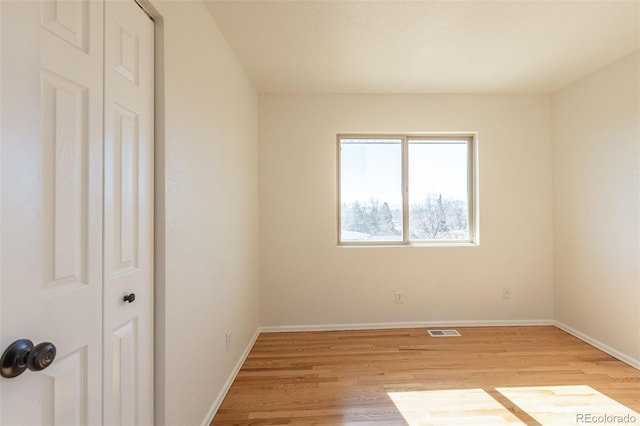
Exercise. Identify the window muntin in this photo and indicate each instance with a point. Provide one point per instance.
(406, 190)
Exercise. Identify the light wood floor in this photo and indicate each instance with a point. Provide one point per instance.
(489, 376)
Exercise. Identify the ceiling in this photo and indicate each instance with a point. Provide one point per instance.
(346, 46)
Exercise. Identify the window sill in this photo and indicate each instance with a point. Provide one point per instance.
(408, 245)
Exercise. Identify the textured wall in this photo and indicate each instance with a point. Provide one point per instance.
(208, 203)
(306, 279)
(596, 173)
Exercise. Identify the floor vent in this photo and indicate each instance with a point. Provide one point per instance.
(444, 333)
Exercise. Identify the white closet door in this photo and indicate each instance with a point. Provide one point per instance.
(128, 215)
(51, 206)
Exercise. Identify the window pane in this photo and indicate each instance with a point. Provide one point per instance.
(371, 190)
(438, 190)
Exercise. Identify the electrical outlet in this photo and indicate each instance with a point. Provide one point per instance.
(399, 296)
(506, 293)
(228, 340)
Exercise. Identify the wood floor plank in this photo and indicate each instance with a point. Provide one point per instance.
(512, 375)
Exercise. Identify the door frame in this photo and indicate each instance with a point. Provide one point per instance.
(159, 394)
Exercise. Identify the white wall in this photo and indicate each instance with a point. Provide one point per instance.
(596, 169)
(207, 271)
(307, 280)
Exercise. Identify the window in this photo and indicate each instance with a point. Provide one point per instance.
(410, 189)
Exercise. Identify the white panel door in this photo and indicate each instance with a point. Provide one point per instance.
(128, 238)
(51, 206)
(76, 209)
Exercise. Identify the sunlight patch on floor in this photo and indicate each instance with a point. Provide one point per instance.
(452, 407)
(546, 405)
(570, 405)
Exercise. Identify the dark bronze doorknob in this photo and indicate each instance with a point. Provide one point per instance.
(22, 355)
(41, 356)
(130, 298)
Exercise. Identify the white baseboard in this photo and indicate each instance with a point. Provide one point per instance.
(635, 363)
(223, 392)
(410, 324)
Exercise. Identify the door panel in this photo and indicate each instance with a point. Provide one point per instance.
(128, 214)
(67, 19)
(64, 144)
(125, 148)
(124, 373)
(64, 389)
(51, 189)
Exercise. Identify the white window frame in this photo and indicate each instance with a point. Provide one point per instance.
(472, 176)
